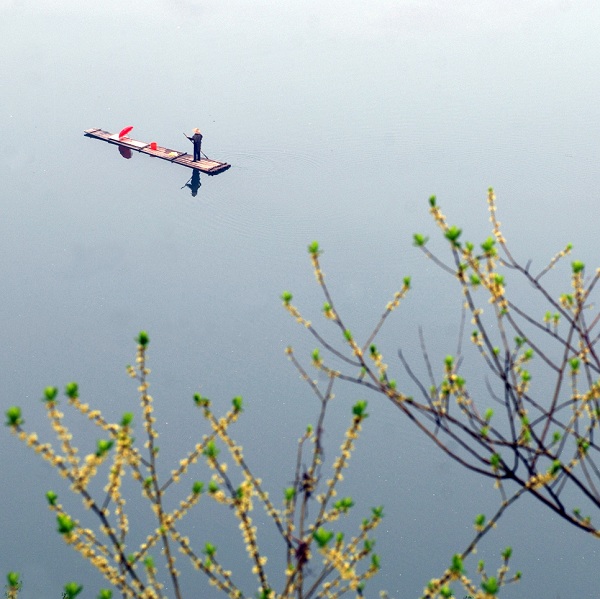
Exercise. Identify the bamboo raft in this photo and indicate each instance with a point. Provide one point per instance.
(205, 165)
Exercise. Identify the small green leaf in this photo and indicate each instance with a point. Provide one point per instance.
(313, 248)
(490, 585)
(105, 594)
(200, 401)
(72, 589)
(65, 524)
(209, 549)
(14, 581)
(419, 240)
(286, 296)
(103, 447)
(143, 339)
(452, 235)
(50, 394)
(375, 562)
(72, 390)
(344, 504)
(358, 409)
(13, 416)
(322, 537)
(127, 419)
(488, 246)
(457, 565)
(211, 450)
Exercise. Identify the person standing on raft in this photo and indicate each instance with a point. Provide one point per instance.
(196, 139)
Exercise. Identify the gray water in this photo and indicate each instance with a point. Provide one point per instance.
(339, 120)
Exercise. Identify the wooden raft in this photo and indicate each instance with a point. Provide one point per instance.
(205, 165)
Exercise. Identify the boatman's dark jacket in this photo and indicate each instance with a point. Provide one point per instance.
(196, 139)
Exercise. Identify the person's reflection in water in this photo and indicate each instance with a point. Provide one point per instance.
(194, 182)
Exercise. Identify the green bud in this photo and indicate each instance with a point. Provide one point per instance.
(577, 266)
(507, 553)
(406, 282)
(127, 419)
(479, 520)
(143, 339)
(213, 487)
(103, 447)
(313, 248)
(490, 585)
(13, 579)
(347, 335)
(149, 562)
(446, 592)
(457, 564)
(574, 362)
(358, 409)
(13, 416)
(72, 390)
(105, 594)
(65, 524)
(286, 296)
(375, 562)
(343, 505)
(488, 414)
(197, 487)
(419, 240)
(209, 549)
(556, 437)
(50, 394)
(377, 512)
(475, 280)
(202, 402)
(316, 355)
(488, 246)
(452, 235)
(495, 460)
(322, 537)
(237, 403)
(72, 589)
(449, 361)
(289, 494)
(211, 450)
(432, 201)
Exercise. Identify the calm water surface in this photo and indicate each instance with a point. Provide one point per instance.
(339, 120)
